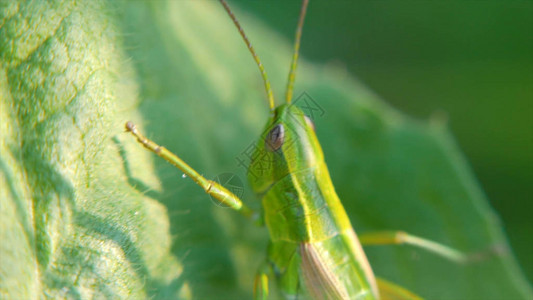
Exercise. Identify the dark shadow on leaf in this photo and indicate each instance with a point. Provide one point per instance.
(132, 181)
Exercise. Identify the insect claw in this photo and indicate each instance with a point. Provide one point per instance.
(130, 127)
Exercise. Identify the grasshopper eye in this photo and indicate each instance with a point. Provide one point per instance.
(309, 122)
(275, 138)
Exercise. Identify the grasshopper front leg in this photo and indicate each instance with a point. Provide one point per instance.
(261, 290)
(211, 187)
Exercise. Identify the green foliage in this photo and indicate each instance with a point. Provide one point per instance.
(86, 212)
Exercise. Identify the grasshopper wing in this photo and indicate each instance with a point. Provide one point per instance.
(320, 280)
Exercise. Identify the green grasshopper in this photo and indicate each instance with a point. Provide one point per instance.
(314, 252)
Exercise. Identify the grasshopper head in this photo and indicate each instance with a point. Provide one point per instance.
(287, 145)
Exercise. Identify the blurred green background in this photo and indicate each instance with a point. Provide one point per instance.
(472, 60)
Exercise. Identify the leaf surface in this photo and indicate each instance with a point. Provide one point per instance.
(87, 212)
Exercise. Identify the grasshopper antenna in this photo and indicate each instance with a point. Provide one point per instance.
(268, 89)
(292, 72)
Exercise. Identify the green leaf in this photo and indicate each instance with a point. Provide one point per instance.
(86, 212)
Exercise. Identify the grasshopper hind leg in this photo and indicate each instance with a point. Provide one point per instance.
(391, 291)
